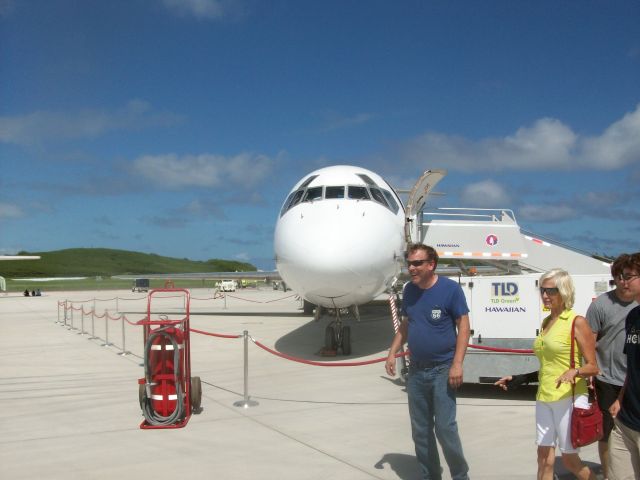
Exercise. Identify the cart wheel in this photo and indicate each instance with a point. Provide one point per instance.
(195, 395)
(142, 396)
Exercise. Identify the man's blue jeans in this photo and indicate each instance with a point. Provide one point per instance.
(432, 407)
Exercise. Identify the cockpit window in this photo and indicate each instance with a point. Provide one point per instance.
(392, 201)
(313, 193)
(334, 192)
(285, 206)
(367, 179)
(377, 196)
(308, 181)
(296, 198)
(354, 192)
(358, 193)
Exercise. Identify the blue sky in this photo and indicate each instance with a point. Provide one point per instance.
(177, 127)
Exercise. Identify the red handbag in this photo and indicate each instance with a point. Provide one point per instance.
(586, 423)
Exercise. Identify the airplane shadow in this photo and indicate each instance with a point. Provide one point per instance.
(489, 391)
(371, 335)
(403, 465)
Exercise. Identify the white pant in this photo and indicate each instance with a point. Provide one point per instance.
(553, 422)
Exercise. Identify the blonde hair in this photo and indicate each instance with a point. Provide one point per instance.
(564, 284)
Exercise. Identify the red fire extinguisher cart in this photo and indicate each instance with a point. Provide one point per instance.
(168, 393)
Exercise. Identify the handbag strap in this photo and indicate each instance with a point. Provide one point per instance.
(572, 362)
(572, 365)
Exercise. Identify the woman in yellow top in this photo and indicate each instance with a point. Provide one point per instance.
(556, 377)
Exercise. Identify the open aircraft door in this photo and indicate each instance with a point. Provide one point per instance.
(415, 204)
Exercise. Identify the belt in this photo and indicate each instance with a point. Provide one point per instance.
(420, 365)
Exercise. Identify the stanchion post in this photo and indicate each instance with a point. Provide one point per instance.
(81, 332)
(124, 352)
(106, 329)
(71, 327)
(225, 301)
(65, 312)
(93, 325)
(246, 402)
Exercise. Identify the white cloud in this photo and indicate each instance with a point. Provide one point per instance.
(617, 147)
(36, 127)
(9, 210)
(204, 9)
(206, 170)
(548, 143)
(547, 213)
(485, 194)
(335, 121)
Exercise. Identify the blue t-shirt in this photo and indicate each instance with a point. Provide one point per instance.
(630, 409)
(432, 319)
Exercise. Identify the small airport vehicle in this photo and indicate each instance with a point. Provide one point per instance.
(140, 285)
(228, 286)
(168, 394)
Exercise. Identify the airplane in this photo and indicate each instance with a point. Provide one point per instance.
(339, 241)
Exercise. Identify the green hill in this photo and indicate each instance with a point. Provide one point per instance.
(89, 262)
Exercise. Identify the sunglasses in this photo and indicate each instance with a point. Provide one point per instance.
(627, 277)
(417, 263)
(549, 290)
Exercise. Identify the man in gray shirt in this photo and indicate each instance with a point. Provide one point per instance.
(606, 316)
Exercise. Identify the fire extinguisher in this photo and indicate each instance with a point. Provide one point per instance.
(164, 402)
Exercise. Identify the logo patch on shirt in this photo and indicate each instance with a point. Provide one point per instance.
(436, 314)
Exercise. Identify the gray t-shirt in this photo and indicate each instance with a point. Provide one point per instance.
(606, 316)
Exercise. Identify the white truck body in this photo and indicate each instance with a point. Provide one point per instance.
(498, 267)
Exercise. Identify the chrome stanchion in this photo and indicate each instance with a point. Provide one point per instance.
(124, 352)
(93, 325)
(106, 329)
(246, 402)
(81, 332)
(71, 326)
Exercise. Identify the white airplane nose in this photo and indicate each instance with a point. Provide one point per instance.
(337, 253)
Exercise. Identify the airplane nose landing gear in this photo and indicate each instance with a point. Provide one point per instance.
(337, 336)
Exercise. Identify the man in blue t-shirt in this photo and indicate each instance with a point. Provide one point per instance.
(435, 322)
(624, 443)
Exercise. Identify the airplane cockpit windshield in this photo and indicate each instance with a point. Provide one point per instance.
(370, 192)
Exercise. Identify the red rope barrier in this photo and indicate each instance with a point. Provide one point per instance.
(322, 364)
(221, 335)
(258, 301)
(502, 350)
(283, 298)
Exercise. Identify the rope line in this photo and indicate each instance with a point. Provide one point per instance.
(321, 364)
(211, 334)
(521, 351)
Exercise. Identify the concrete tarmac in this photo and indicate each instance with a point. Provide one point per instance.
(70, 398)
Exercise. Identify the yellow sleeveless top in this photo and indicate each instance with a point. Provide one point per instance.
(553, 348)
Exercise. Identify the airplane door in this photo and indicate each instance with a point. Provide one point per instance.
(417, 200)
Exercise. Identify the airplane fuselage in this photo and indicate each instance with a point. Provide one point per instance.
(339, 239)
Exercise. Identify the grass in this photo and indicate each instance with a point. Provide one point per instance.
(99, 264)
